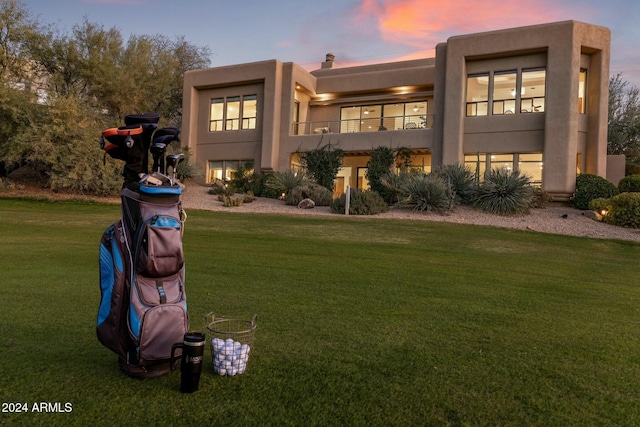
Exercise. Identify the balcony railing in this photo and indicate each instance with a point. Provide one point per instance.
(374, 124)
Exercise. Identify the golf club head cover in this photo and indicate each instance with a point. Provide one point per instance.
(149, 123)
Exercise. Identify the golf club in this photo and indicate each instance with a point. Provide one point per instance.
(173, 160)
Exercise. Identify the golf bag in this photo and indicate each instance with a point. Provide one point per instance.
(143, 309)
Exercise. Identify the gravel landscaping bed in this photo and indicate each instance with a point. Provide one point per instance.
(554, 219)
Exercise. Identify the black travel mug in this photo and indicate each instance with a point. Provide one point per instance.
(191, 362)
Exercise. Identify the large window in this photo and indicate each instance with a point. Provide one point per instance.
(380, 117)
(504, 92)
(223, 170)
(527, 163)
(233, 113)
(532, 90)
(477, 94)
(512, 92)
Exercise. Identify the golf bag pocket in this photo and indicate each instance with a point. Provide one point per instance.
(113, 292)
(158, 335)
(157, 315)
(160, 251)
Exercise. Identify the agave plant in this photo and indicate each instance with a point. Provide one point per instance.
(285, 181)
(427, 193)
(461, 180)
(504, 192)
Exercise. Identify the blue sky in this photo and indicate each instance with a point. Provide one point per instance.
(356, 31)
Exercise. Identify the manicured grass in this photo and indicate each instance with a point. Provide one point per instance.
(361, 321)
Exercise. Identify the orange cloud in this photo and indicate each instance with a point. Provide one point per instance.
(419, 22)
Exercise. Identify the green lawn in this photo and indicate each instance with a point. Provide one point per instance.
(361, 321)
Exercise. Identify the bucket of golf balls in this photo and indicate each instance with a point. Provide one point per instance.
(231, 341)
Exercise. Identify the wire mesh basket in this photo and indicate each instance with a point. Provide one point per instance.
(231, 341)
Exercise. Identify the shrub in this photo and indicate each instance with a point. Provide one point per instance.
(323, 164)
(319, 194)
(629, 184)
(540, 198)
(230, 201)
(631, 169)
(393, 184)
(504, 192)
(462, 181)
(589, 187)
(361, 202)
(285, 181)
(379, 166)
(243, 177)
(220, 188)
(427, 193)
(622, 210)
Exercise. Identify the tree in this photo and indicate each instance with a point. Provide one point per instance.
(379, 165)
(624, 119)
(86, 81)
(322, 164)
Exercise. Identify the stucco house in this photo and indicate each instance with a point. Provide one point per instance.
(531, 98)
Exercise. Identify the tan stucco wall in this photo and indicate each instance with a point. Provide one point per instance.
(560, 48)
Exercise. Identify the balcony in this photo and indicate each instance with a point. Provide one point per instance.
(374, 124)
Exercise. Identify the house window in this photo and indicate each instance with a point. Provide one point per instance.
(223, 170)
(380, 117)
(477, 164)
(532, 91)
(582, 92)
(512, 92)
(233, 113)
(296, 116)
(527, 163)
(249, 111)
(477, 94)
(505, 89)
(502, 161)
(531, 165)
(232, 121)
(217, 115)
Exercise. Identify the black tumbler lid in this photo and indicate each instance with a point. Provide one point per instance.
(194, 339)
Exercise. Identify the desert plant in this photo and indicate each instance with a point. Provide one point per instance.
(361, 202)
(284, 181)
(462, 181)
(540, 198)
(629, 184)
(426, 193)
(504, 192)
(319, 194)
(589, 187)
(379, 166)
(393, 184)
(230, 201)
(219, 187)
(632, 169)
(322, 164)
(243, 177)
(187, 169)
(622, 209)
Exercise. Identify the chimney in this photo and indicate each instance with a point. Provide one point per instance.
(328, 63)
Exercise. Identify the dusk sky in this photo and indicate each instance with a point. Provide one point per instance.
(356, 31)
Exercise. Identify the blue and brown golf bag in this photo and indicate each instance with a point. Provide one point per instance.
(143, 309)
